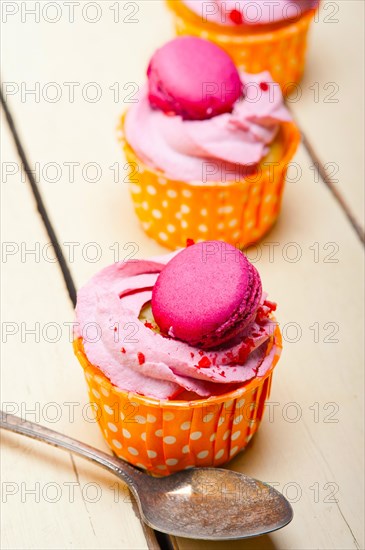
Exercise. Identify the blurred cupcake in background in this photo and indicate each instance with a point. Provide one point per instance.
(260, 35)
(208, 147)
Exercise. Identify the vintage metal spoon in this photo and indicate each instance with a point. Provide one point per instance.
(200, 503)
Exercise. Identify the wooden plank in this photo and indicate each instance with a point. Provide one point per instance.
(331, 108)
(50, 500)
(303, 455)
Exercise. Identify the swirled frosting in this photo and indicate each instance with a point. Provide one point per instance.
(248, 12)
(216, 149)
(137, 358)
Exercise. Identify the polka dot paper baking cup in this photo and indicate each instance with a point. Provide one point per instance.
(167, 436)
(238, 212)
(281, 51)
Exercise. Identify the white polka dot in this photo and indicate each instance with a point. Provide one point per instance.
(162, 467)
(145, 205)
(219, 454)
(171, 461)
(221, 421)
(104, 392)
(151, 454)
(208, 417)
(185, 425)
(162, 181)
(133, 451)
(171, 193)
(236, 234)
(248, 438)
(126, 433)
(232, 223)
(220, 226)
(240, 403)
(235, 435)
(140, 419)
(252, 423)
(195, 435)
(238, 419)
(228, 404)
(139, 465)
(171, 228)
(151, 190)
(268, 198)
(168, 416)
(163, 236)
(186, 193)
(226, 435)
(225, 209)
(96, 393)
(144, 436)
(88, 376)
(203, 228)
(185, 209)
(122, 416)
(108, 409)
(204, 212)
(98, 379)
(186, 449)
(184, 224)
(165, 204)
(146, 225)
(178, 215)
(135, 188)
(212, 437)
(151, 419)
(203, 454)
(112, 427)
(169, 439)
(158, 433)
(233, 451)
(249, 224)
(117, 443)
(156, 214)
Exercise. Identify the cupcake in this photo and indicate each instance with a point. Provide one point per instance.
(178, 354)
(260, 36)
(208, 147)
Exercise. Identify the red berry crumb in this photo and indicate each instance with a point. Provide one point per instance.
(264, 86)
(204, 363)
(271, 305)
(192, 355)
(236, 17)
(141, 358)
(148, 325)
(122, 350)
(189, 242)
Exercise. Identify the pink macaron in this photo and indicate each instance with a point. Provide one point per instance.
(193, 78)
(206, 295)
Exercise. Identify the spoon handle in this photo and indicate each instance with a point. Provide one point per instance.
(127, 473)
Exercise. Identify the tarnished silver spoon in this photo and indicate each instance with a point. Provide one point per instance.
(200, 503)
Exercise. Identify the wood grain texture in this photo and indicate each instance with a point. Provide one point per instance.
(311, 264)
(49, 499)
(330, 106)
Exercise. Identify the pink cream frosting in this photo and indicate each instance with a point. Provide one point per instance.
(217, 149)
(138, 359)
(253, 12)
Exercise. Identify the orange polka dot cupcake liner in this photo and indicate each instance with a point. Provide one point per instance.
(237, 212)
(163, 437)
(281, 51)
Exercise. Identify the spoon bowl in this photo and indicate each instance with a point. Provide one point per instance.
(199, 503)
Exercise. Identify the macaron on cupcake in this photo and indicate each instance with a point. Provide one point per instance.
(260, 36)
(208, 147)
(178, 353)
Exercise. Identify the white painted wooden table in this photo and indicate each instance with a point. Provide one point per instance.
(310, 445)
